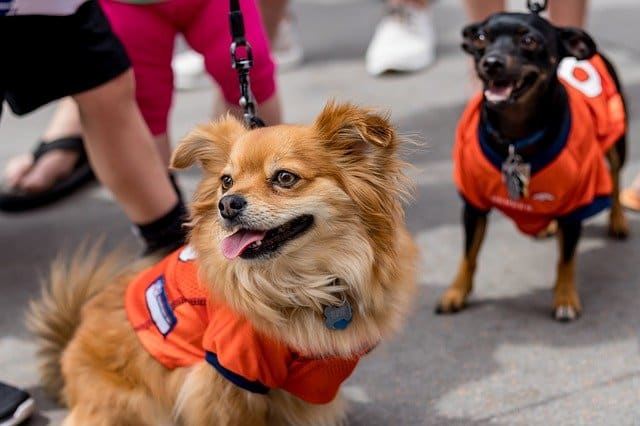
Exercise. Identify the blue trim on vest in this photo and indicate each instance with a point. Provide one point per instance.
(581, 213)
(539, 161)
(236, 379)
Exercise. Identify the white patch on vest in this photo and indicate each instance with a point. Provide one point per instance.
(591, 87)
(543, 196)
(508, 202)
(188, 253)
(159, 308)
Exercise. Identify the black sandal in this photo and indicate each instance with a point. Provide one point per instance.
(14, 200)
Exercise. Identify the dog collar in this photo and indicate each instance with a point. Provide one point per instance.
(517, 144)
(537, 162)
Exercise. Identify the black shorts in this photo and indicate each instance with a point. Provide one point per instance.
(44, 58)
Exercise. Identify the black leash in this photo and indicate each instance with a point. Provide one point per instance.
(536, 6)
(242, 64)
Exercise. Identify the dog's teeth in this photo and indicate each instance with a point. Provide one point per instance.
(255, 244)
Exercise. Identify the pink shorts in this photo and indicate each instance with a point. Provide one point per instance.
(148, 33)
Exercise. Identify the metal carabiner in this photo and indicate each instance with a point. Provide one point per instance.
(536, 6)
(242, 61)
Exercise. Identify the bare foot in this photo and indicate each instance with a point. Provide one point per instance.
(16, 168)
(22, 173)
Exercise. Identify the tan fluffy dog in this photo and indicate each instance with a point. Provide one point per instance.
(329, 198)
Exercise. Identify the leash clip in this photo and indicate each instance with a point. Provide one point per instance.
(536, 6)
(242, 61)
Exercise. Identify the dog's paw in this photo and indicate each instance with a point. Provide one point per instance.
(619, 231)
(451, 302)
(566, 300)
(566, 306)
(565, 313)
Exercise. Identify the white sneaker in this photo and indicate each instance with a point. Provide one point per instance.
(286, 50)
(188, 71)
(404, 40)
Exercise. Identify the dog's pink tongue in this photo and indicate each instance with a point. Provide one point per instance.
(498, 94)
(235, 244)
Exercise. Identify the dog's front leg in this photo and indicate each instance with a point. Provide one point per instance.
(475, 224)
(566, 302)
(207, 398)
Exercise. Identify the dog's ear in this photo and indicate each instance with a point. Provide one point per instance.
(363, 145)
(471, 43)
(355, 134)
(208, 144)
(576, 42)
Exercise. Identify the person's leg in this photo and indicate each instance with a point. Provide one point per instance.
(568, 13)
(404, 39)
(273, 11)
(479, 10)
(122, 152)
(68, 52)
(24, 173)
(148, 36)
(211, 41)
(280, 25)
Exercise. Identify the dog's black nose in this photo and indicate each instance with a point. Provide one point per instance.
(492, 65)
(231, 206)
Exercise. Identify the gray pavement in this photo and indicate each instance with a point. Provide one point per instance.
(503, 360)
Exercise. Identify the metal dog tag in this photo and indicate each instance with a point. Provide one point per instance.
(338, 317)
(516, 175)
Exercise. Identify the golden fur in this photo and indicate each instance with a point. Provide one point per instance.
(351, 181)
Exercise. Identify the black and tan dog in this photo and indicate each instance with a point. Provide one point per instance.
(534, 144)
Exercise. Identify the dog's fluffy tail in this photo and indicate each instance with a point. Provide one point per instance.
(54, 317)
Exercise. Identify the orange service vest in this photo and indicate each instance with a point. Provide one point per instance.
(569, 181)
(180, 323)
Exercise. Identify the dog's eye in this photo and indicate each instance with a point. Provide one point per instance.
(529, 42)
(285, 179)
(480, 40)
(226, 181)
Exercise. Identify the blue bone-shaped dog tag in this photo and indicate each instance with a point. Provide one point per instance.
(338, 317)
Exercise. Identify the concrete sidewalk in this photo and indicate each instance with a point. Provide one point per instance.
(503, 360)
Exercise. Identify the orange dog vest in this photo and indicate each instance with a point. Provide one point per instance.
(571, 180)
(181, 324)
